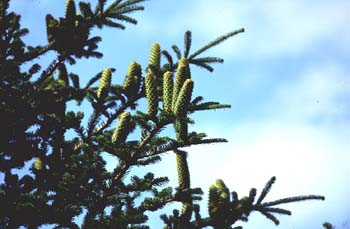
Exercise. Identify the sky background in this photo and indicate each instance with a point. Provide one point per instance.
(288, 81)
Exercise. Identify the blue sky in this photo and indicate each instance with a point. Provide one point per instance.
(288, 81)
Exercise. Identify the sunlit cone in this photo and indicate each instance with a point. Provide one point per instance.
(224, 191)
(154, 57)
(70, 12)
(51, 27)
(151, 93)
(213, 204)
(184, 98)
(105, 82)
(168, 85)
(182, 170)
(223, 198)
(123, 128)
(38, 164)
(182, 73)
(132, 79)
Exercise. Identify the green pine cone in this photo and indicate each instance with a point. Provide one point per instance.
(151, 93)
(70, 12)
(123, 128)
(182, 73)
(52, 26)
(38, 164)
(224, 198)
(105, 82)
(63, 74)
(224, 191)
(132, 79)
(182, 170)
(184, 98)
(181, 129)
(154, 57)
(213, 205)
(168, 85)
(134, 69)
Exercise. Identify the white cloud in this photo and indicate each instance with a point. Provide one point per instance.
(272, 27)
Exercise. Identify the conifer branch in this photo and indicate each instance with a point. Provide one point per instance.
(93, 80)
(274, 210)
(207, 60)
(202, 65)
(177, 51)
(207, 106)
(270, 217)
(293, 199)
(197, 100)
(85, 9)
(215, 42)
(51, 68)
(187, 43)
(266, 190)
(117, 11)
(327, 225)
(169, 59)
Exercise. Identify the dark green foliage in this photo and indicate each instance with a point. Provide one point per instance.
(327, 225)
(68, 176)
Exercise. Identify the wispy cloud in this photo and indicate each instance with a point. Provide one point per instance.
(273, 27)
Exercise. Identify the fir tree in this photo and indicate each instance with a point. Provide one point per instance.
(67, 176)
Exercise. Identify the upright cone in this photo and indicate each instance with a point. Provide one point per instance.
(168, 85)
(154, 57)
(38, 164)
(105, 82)
(132, 79)
(184, 98)
(123, 128)
(182, 73)
(151, 93)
